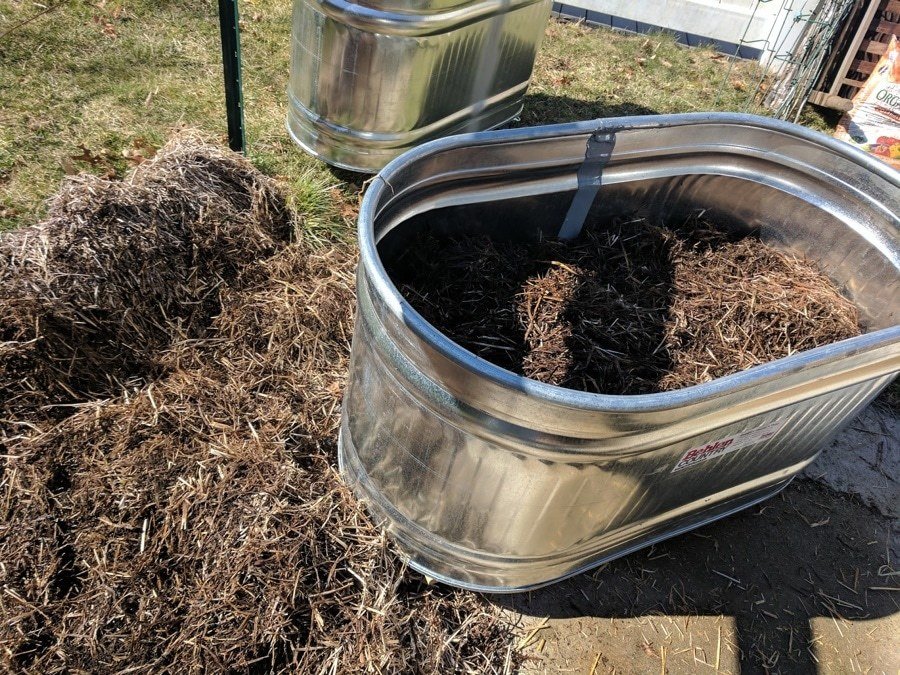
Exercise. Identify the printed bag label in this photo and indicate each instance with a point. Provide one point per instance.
(723, 446)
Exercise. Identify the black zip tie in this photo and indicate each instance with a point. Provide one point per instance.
(590, 177)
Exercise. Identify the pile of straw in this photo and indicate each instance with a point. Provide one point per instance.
(197, 522)
(120, 270)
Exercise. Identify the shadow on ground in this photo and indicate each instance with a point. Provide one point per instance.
(540, 108)
(794, 573)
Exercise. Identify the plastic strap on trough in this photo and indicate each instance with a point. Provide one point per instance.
(590, 177)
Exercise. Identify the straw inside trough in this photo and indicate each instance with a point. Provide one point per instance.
(628, 307)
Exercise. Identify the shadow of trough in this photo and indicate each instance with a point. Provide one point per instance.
(541, 108)
(804, 557)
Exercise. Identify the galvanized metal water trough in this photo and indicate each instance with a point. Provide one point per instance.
(371, 79)
(494, 482)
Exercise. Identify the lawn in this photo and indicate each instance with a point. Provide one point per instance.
(97, 86)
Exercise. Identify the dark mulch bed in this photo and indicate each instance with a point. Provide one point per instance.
(628, 307)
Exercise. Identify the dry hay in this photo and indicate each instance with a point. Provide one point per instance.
(199, 523)
(119, 270)
(628, 308)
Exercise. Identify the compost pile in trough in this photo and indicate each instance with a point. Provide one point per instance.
(169, 497)
(627, 308)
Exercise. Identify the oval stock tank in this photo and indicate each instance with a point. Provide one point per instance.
(492, 481)
(373, 79)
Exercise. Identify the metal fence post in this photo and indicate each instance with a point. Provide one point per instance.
(231, 61)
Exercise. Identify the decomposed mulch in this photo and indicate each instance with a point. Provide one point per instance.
(629, 307)
(180, 509)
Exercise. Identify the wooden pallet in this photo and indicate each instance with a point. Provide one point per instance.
(859, 46)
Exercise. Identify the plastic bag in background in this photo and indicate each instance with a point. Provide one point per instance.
(873, 123)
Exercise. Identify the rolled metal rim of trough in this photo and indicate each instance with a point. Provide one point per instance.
(414, 24)
(378, 277)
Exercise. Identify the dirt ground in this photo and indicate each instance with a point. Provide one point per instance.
(802, 583)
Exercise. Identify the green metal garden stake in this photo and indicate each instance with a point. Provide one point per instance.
(231, 60)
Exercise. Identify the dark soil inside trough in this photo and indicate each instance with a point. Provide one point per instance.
(628, 307)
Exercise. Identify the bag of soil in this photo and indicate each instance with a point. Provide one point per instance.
(873, 123)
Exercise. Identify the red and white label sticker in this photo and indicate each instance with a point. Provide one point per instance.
(723, 446)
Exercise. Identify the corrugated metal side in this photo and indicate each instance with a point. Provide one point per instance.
(358, 97)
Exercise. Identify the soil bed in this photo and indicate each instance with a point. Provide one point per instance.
(628, 307)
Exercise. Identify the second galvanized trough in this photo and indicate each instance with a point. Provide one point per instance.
(373, 78)
(491, 481)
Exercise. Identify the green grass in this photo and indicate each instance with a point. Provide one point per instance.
(90, 84)
(85, 85)
(584, 73)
